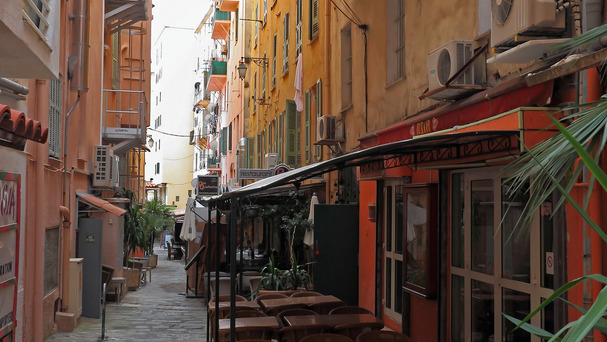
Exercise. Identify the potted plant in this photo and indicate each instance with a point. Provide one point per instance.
(156, 218)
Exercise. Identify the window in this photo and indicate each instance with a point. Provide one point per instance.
(230, 137)
(259, 150)
(51, 259)
(236, 24)
(421, 240)
(263, 81)
(271, 137)
(36, 13)
(394, 223)
(250, 153)
(285, 46)
(346, 67)
(176, 198)
(299, 15)
(280, 135)
(54, 118)
(291, 134)
(255, 23)
(255, 92)
(274, 41)
(157, 168)
(395, 40)
(493, 265)
(223, 143)
(307, 125)
(314, 26)
(318, 115)
(116, 61)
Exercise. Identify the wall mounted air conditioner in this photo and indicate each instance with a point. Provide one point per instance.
(516, 21)
(270, 160)
(445, 61)
(325, 128)
(105, 174)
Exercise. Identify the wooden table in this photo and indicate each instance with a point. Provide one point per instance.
(246, 323)
(332, 320)
(273, 304)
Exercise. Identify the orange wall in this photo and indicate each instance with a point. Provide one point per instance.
(366, 247)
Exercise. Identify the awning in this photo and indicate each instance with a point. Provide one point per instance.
(98, 204)
(467, 146)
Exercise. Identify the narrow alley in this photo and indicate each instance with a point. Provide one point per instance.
(158, 311)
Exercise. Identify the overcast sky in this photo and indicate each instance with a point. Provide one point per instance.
(177, 13)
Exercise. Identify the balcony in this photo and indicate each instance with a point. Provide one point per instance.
(217, 76)
(124, 119)
(221, 25)
(228, 5)
(29, 32)
(122, 14)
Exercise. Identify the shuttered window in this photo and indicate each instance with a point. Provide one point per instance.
(223, 141)
(280, 135)
(314, 25)
(307, 125)
(230, 137)
(54, 118)
(115, 66)
(274, 48)
(298, 26)
(285, 46)
(263, 82)
(346, 67)
(298, 138)
(251, 153)
(258, 154)
(291, 135)
(395, 40)
(318, 115)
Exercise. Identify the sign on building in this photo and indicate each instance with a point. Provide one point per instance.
(10, 184)
(208, 185)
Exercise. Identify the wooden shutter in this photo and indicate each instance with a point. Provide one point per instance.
(285, 47)
(298, 138)
(230, 137)
(224, 140)
(258, 151)
(250, 153)
(307, 125)
(318, 115)
(281, 134)
(115, 66)
(314, 19)
(54, 118)
(291, 135)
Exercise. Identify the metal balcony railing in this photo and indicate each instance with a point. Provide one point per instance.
(124, 116)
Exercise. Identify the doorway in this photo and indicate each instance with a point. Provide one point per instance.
(496, 266)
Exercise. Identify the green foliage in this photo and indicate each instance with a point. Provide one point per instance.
(296, 276)
(156, 217)
(133, 226)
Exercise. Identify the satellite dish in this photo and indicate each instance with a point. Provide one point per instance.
(194, 182)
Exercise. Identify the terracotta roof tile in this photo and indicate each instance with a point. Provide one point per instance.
(15, 122)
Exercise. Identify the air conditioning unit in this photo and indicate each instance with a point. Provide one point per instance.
(516, 21)
(270, 161)
(325, 128)
(445, 61)
(106, 173)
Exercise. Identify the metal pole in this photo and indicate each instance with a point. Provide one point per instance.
(103, 314)
(233, 223)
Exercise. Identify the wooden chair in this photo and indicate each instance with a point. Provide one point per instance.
(292, 312)
(226, 298)
(325, 308)
(382, 336)
(247, 312)
(306, 294)
(298, 332)
(276, 310)
(263, 333)
(172, 252)
(269, 296)
(224, 286)
(326, 338)
(349, 310)
(352, 330)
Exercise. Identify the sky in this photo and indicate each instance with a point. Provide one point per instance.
(177, 13)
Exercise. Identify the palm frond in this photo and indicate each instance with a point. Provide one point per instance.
(584, 40)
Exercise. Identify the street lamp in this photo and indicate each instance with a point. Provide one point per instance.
(150, 141)
(242, 70)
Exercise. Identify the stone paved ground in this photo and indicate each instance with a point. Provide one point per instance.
(156, 312)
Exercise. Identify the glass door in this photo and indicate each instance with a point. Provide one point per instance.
(394, 223)
(496, 266)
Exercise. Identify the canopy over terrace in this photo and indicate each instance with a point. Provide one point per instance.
(465, 147)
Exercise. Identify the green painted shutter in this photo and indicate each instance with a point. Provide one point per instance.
(230, 137)
(318, 115)
(115, 54)
(307, 125)
(281, 133)
(224, 140)
(298, 138)
(275, 125)
(291, 135)
(258, 152)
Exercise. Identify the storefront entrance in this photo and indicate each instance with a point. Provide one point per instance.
(495, 265)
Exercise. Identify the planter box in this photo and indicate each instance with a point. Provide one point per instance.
(133, 278)
(153, 260)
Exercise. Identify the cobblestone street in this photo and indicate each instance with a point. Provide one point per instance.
(158, 311)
